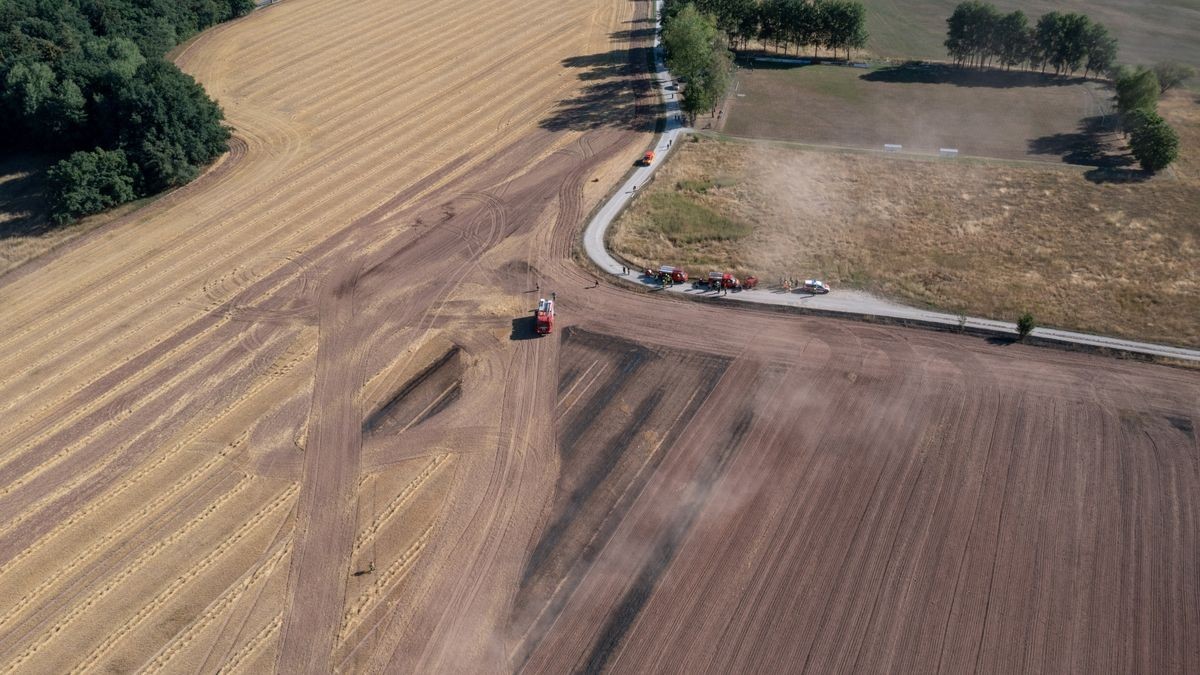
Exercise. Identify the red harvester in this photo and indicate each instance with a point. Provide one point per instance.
(543, 317)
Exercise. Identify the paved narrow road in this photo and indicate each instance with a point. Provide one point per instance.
(843, 301)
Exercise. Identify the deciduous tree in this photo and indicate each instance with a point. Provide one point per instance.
(1153, 142)
(89, 182)
(1172, 74)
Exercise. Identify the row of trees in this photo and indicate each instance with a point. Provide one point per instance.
(87, 79)
(1152, 141)
(834, 25)
(698, 54)
(980, 35)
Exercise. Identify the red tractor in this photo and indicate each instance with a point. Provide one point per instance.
(543, 317)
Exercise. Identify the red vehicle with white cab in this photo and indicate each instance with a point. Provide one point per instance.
(543, 317)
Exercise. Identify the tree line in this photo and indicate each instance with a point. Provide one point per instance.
(834, 25)
(698, 34)
(980, 35)
(87, 79)
(698, 54)
(1152, 142)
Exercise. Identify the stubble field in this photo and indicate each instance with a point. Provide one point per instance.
(282, 420)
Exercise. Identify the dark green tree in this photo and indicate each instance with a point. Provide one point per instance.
(688, 38)
(83, 74)
(1153, 142)
(1025, 325)
(846, 20)
(173, 127)
(1101, 50)
(971, 33)
(1011, 39)
(89, 182)
(1136, 90)
(1047, 39)
(698, 54)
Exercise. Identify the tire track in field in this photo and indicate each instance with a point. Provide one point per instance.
(86, 503)
(113, 582)
(219, 606)
(89, 445)
(25, 462)
(180, 581)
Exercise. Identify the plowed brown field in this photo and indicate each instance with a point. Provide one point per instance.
(278, 420)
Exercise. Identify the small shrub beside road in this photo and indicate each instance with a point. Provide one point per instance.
(1025, 325)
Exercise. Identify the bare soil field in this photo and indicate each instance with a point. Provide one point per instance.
(1082, 250)
(923, 108)
(850, 499)
(1147, 30)
(287, 421)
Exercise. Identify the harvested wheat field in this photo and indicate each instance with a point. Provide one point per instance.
(282, 420)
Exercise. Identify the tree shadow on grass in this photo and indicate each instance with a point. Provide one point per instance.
(937, 73)
(1093, 144)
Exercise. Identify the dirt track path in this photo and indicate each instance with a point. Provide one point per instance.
(303, 367)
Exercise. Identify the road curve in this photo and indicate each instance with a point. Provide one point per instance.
(849, 302)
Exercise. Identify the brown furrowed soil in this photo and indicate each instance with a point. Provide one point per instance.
(854, 499)
(1010, 115)
(291, 421)
(1076, 249)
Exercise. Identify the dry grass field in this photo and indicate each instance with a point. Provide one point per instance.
(923, 108)
(288, 419)
(989, 239)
